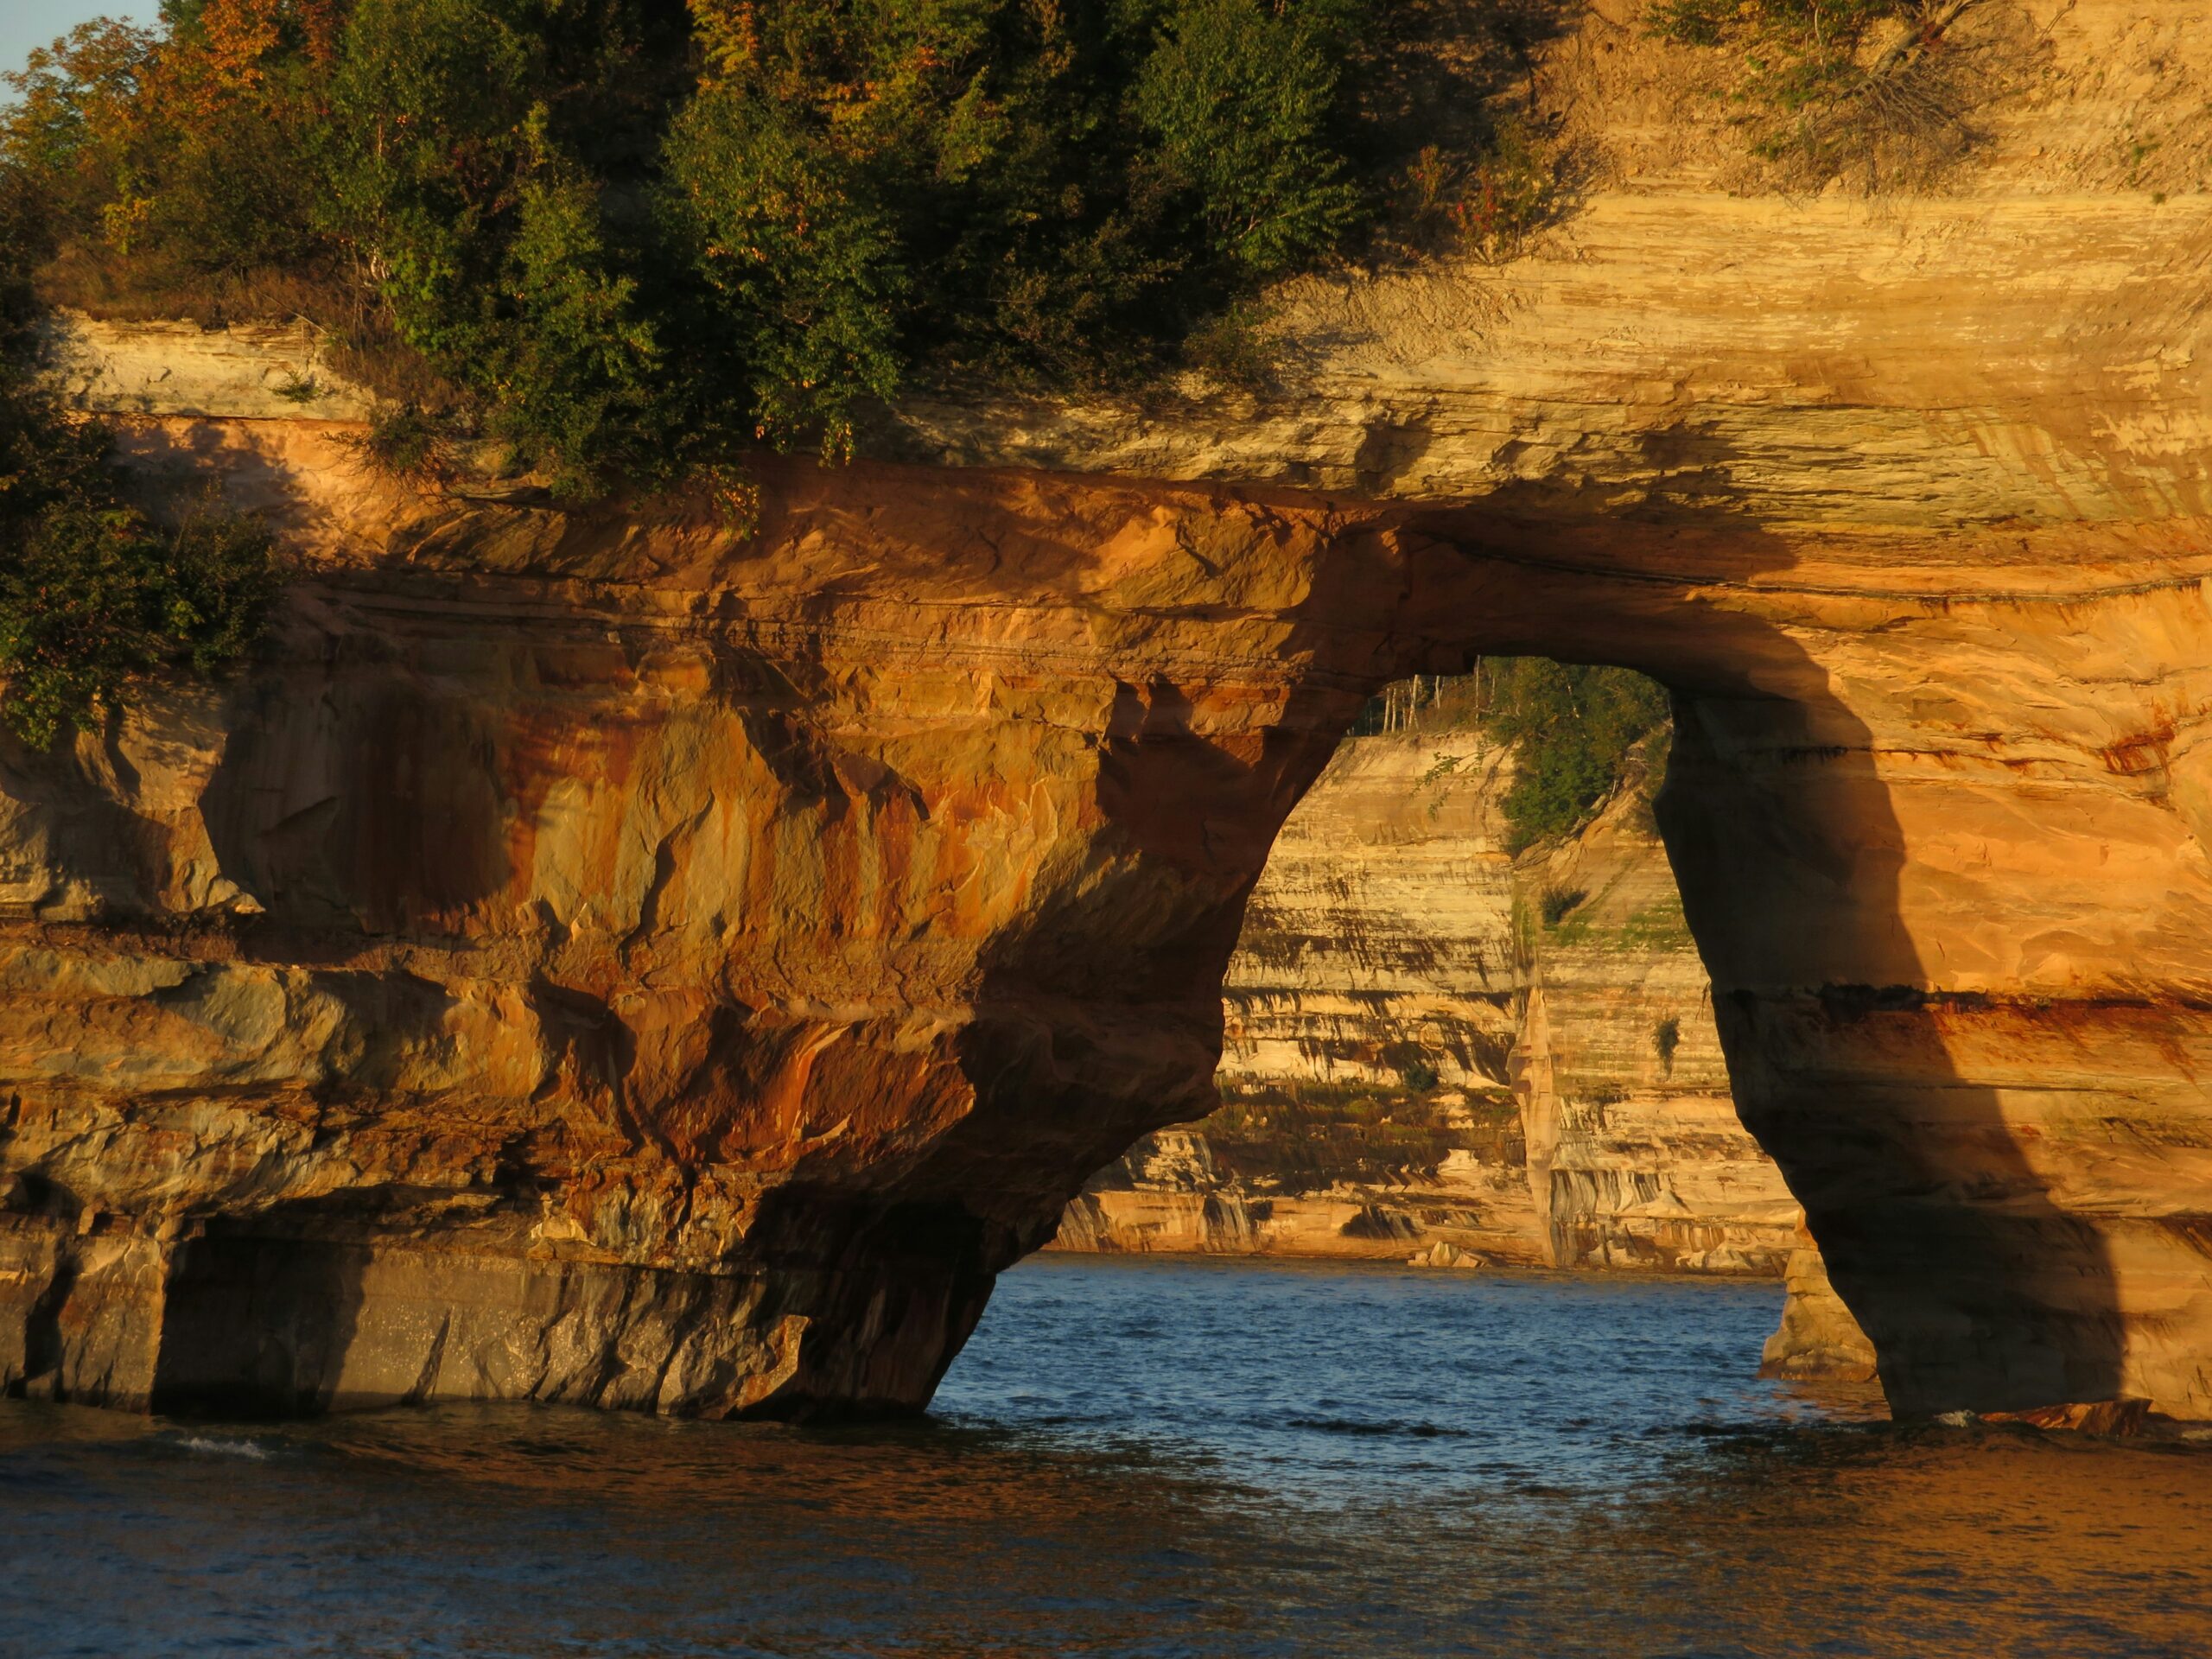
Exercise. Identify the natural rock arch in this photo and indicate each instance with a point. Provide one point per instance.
(625, 963)
(598, 956)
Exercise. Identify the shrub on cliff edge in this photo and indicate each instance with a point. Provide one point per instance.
(1579, 732)
(94, 591)
(626, 234)
(1574, 727)
(94, 595)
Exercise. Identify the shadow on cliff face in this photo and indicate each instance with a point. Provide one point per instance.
(1977, 1290)
(1185, 820)
(381, 808)
(256, 1323)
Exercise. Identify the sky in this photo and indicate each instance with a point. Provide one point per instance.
(27, 23)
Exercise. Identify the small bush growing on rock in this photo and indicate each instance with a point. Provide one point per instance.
(1666, 1038)
(1512, 192)
(1826, 87)
(406, 442)
(93, 592)
(1558, 903)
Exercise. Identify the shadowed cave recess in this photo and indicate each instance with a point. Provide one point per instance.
(612, 956)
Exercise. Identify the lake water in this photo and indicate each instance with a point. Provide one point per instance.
(1145, 1458)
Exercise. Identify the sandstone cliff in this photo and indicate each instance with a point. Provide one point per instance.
(1392, 961)
(601, 956)
(1633, 1140)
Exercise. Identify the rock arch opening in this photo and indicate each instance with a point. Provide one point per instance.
(1415, 952)
(1465, 1025)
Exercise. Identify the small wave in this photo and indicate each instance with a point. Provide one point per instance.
(208, 1447)
(1350, 1425)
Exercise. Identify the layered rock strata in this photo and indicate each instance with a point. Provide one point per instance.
(1381, 939)
(1634, 1146)
(1395, 976)
(596, 956)
(1367, 1015)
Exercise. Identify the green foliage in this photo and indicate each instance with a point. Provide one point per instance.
(1579, 733)
(403, 442)
(1666, 1038)
(576, 375)
(469, 151)
(93, 591)
(1558, 902)
(1573, 727)
(1512, 191)
(64, 161)
(630, 236)
(1658, 927)
(1241, 97)
(1418, 1073)
(1834, 27)
(1798, 54)
(802, 258)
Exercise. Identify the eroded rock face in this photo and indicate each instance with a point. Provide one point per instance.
(1818, 1338)
(596, 960)
(604, 959)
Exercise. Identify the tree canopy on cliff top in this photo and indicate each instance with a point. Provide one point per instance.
(632, 238)
(619, 233)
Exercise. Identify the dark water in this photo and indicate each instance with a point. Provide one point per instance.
(1145, 1458)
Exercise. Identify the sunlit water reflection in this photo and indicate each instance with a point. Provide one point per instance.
(1145, 1458)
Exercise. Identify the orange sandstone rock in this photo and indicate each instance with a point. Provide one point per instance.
(594, 957)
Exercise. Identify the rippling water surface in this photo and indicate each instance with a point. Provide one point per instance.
(1145, 1458)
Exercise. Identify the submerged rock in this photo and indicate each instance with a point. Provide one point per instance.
(1442, 1255)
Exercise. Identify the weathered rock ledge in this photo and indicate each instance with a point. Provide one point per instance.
(594, 956)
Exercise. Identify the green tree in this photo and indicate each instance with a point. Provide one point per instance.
(805, 264)
(1243, 99)
(94, 593)
(1573, 727)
